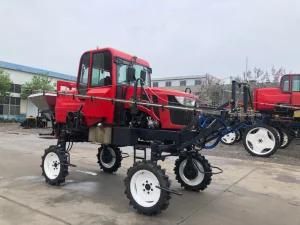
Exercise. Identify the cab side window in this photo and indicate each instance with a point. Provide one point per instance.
(101, 69)
(84, 73)
(296, 83)
(286, 84)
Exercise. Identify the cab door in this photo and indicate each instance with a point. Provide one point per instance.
(84, 68)
(101, 84)
(295, 100)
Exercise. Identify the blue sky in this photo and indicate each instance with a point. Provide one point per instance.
(176, 37)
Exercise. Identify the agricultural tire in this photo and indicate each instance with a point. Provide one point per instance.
(193, 175)
(239, 136)
(261, 140)
(109, 158)
(280, 136)
(286, 138)
(142, 188)
(55, 165)
(230, 138)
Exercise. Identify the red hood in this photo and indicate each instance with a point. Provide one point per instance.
(268, 89)
(268, 98)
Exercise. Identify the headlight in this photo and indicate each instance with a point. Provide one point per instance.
(186, 101)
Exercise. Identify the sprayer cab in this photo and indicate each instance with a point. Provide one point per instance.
(109, 73)
(284, 99)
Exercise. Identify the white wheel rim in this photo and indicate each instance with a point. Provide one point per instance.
(143, 188)
(199, 177)
(229, 138)
(260, 141)
(52, 165)
(285, 140)
(112, 162)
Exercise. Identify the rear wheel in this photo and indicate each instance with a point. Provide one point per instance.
(261, 140)
(230, 138)
(239, 136)
(193, 172)
(109, 158)
(279, 135)
(286, 138)
(145, 186)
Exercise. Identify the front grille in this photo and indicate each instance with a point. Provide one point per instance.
(179, 117)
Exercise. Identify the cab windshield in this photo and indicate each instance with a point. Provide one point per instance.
(122, 66)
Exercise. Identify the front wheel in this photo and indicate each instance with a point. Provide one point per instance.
(261, 140)
(55, 165)
(145, 187)
(193, 172)
(109, 158)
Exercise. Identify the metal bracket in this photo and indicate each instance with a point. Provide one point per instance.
(169, 190)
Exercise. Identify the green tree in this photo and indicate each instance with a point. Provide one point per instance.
(38, 83)
(4, 83)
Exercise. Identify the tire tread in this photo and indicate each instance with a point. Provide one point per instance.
(207, 176)
(164, 181)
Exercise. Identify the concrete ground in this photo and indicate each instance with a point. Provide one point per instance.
(248, 192)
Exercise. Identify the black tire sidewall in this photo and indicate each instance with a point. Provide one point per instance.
(239, 136)
(289, 136)
(117, 164)
(279, 130)
(207, 173)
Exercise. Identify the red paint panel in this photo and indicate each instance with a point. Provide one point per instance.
(267, 98)
(296, 98)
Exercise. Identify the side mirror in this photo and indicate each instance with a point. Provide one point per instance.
(130, 74)
(143, 75)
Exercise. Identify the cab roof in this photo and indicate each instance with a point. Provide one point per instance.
(120, 54)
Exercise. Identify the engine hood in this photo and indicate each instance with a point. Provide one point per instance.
(266, 99)
(268, 89)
